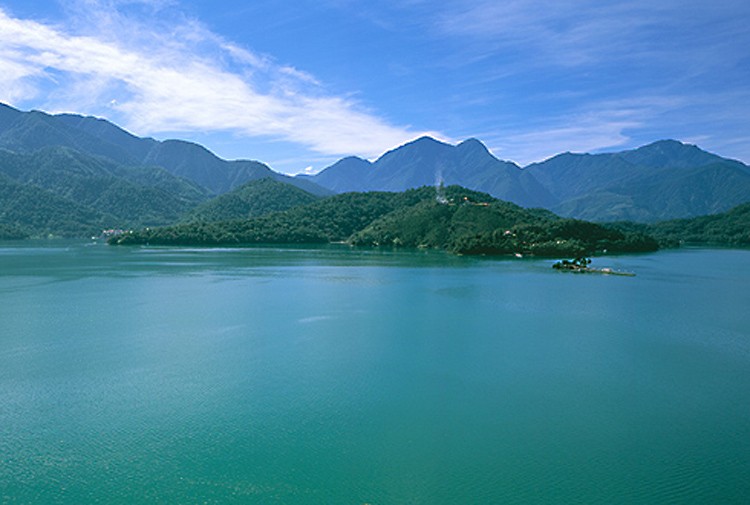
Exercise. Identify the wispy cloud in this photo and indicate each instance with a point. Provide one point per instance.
(586, 135)
(595, 127)
(157, 77)
(627, 123)
(585, 75)
(580, 32)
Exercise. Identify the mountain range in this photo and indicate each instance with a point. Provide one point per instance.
(663, 180)
(27, 132)
(428, 162)
(72, 175)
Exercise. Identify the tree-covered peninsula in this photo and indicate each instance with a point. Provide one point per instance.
(453, 218)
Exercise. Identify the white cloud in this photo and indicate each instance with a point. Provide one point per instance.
(14, 77)
(180, 77)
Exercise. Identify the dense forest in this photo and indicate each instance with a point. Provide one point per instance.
(11, 232)
(333, 219)
(252, 199)
(39, 213)
(61, 200)
(59, 192)
(470, 225)
(731, 228)
(453, 218)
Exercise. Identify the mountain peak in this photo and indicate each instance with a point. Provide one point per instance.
(426, 138)
(670, 153)
(666, 145)
(474, 146)
(424, 141)
(423, 146)
(672, 142)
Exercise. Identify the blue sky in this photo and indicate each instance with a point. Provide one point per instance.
(299, 84)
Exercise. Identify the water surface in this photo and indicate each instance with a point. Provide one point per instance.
(330, 375)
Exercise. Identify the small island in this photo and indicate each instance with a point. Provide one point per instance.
(581, 265)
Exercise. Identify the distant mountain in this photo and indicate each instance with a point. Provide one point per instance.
(252, 199)
(428, 162)
(34, 211)
(26, 132)
(141, 181)
(731, 228)
(129, 196)
(673, 154)
(88, 174)
(663, 180)
(348, 174)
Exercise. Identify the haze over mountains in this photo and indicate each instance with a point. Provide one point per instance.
(68, 174)
(428, 162)
(663, 180)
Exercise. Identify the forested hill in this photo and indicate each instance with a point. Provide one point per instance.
(74, 176)
(730, 228)
(252, 199)
(453, 218)
(63, 192)
(28, 210)
(27, 132)
(333, 219)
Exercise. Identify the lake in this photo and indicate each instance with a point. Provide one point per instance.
(337, 376)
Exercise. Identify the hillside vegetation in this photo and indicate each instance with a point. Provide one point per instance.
(28, 132)
(730, 228)
(459, 220)
(62, 192)
(252, 199)
(39, 213)
(333, 219)
(11, 232)
(67, 175)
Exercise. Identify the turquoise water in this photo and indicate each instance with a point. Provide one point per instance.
(157, 375)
